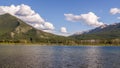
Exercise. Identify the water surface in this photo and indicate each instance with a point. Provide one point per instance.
(59, 57)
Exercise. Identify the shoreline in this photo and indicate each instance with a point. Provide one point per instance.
(48, 44)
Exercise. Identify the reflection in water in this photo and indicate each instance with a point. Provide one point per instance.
(93, 57)
(59, 57)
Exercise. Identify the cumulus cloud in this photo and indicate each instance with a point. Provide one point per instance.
(25, 13)
(48, 25)
(63, 30)
(89, 18)
(115, 11)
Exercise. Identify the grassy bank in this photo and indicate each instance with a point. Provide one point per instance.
(56, 44)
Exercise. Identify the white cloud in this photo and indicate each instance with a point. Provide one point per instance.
(89, 18)
(118, 17)
(48, 26)
(25, 13)
(63, 30)
(115, 11)
(25, 10)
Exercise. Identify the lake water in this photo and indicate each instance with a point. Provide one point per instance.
(59, 57)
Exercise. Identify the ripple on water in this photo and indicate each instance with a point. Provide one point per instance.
(59, 57)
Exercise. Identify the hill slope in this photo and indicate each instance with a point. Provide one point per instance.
(13, 29)
(107, 32)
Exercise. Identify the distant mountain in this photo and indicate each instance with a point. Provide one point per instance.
(13, 29)
(106, 32)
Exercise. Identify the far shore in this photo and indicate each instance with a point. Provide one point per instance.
(49, 44)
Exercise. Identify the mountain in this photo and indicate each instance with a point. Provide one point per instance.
(105, 32)
(15, 30)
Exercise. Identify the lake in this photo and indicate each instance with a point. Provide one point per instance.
(59, 57)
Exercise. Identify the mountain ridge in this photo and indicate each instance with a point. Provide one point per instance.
(13, 29)
(111, 31)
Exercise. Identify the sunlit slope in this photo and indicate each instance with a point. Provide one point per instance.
(14, 29)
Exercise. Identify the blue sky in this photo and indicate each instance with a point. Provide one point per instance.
(54, 10)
